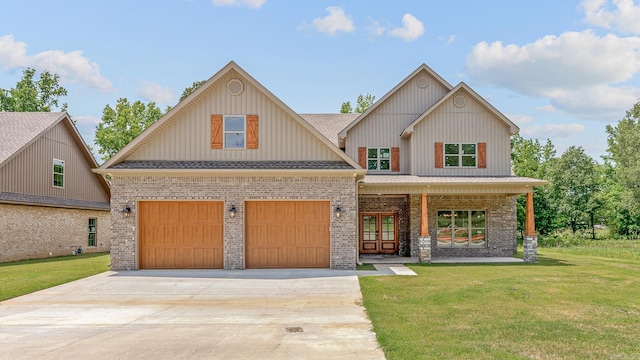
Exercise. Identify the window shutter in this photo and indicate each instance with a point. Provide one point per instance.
(482, 155)
(395, 159)
(216, 131)
(439, 154)
(362, 157)
(252, 131)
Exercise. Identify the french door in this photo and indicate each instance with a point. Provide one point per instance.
(378, 233)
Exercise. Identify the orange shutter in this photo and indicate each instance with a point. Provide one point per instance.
(482, 155)
(216, 131)
(439, 155)
(395, 159)
(252, 131)
(362, 157)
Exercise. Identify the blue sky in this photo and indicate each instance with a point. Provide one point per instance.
(560, 69)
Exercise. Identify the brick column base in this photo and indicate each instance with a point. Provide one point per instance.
(530, 249)
(424, 249)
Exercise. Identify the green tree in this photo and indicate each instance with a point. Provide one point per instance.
(575, 186)
(40, 95)
(121, 125)
(623, 142)
(362, 104)
(186, 92)
(529, 158)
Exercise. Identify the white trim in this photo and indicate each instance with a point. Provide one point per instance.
(379, 158)
(54, 173)
(460, 155)
(224, 132)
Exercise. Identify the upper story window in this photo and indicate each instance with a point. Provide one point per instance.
(234, 132)
(58, 173)
(460, 155)
(379, 159)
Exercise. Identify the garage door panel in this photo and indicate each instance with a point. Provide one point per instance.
(288, 234)
(181, 234)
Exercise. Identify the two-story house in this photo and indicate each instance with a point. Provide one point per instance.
(51, 203)
(233, 178)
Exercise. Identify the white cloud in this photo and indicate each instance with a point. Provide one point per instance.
(87, 120)
(411, 29)
(251, 4)
(520, 119)
(72, 66)
(336, 21)
(553, 131)
(157, 93)
(375, 29)
(580, 72)
(624, 18)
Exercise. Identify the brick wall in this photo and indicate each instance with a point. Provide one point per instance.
(30, 232)
(234, 191)
(501, 224)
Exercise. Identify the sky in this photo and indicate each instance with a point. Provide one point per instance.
(561, 70)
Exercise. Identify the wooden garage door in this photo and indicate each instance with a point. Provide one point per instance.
(180, 234)
(288, 234)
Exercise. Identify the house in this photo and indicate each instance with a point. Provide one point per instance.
(233, 178)
(51, 203)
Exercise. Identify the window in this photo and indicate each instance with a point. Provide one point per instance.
(93, 226)
(462, 228)
(460, 155)
(234, 132)
(58, 173)
(379, 159)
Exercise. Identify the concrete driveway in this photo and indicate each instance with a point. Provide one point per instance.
(211, 314)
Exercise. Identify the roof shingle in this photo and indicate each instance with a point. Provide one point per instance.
(17, 129)
(233, 165)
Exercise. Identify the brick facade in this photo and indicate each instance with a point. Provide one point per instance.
(501, 224)
(233, 191)
(30, 232)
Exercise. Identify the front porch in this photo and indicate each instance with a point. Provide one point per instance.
(396, 259)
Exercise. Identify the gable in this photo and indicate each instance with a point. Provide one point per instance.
(30, 171)
(263, 128)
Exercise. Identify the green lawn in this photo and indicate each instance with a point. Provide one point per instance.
(23, 277)
(571, 305)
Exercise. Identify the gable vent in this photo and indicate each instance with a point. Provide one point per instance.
(459, 101)
(235, 87)
(423, 82)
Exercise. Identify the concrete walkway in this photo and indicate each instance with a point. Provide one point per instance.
(210, 314)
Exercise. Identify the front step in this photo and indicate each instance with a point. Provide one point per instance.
(388, 259)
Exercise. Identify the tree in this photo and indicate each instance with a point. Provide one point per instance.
(575, 186)
(623, 142)
(121, 125)
(33, 95)
(186, 92)
(363, 103)
(530, 159)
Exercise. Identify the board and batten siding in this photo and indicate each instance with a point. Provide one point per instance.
(31, 171)
(383, 126)
(472, 123)
(187, 136)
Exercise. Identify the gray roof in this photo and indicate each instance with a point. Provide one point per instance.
(233, 165)
(15, 198)
(19, 129)
(330, 125)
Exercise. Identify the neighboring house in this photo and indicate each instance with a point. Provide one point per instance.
(232, 178)
(51, 203)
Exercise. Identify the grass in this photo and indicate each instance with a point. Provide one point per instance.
(367, 267)
(27, 276)
(576, 303)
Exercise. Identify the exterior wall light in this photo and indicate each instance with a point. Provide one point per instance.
(126, 211)
(338, 212)
(232, 211)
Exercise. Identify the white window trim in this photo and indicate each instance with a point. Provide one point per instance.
(224, 132)
(469, 229)
(379, 158)
(460, 155)
(54, 173)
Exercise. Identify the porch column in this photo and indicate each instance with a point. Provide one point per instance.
(530, 239)
(424, 242)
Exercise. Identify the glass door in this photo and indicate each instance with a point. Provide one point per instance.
(378, 233)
